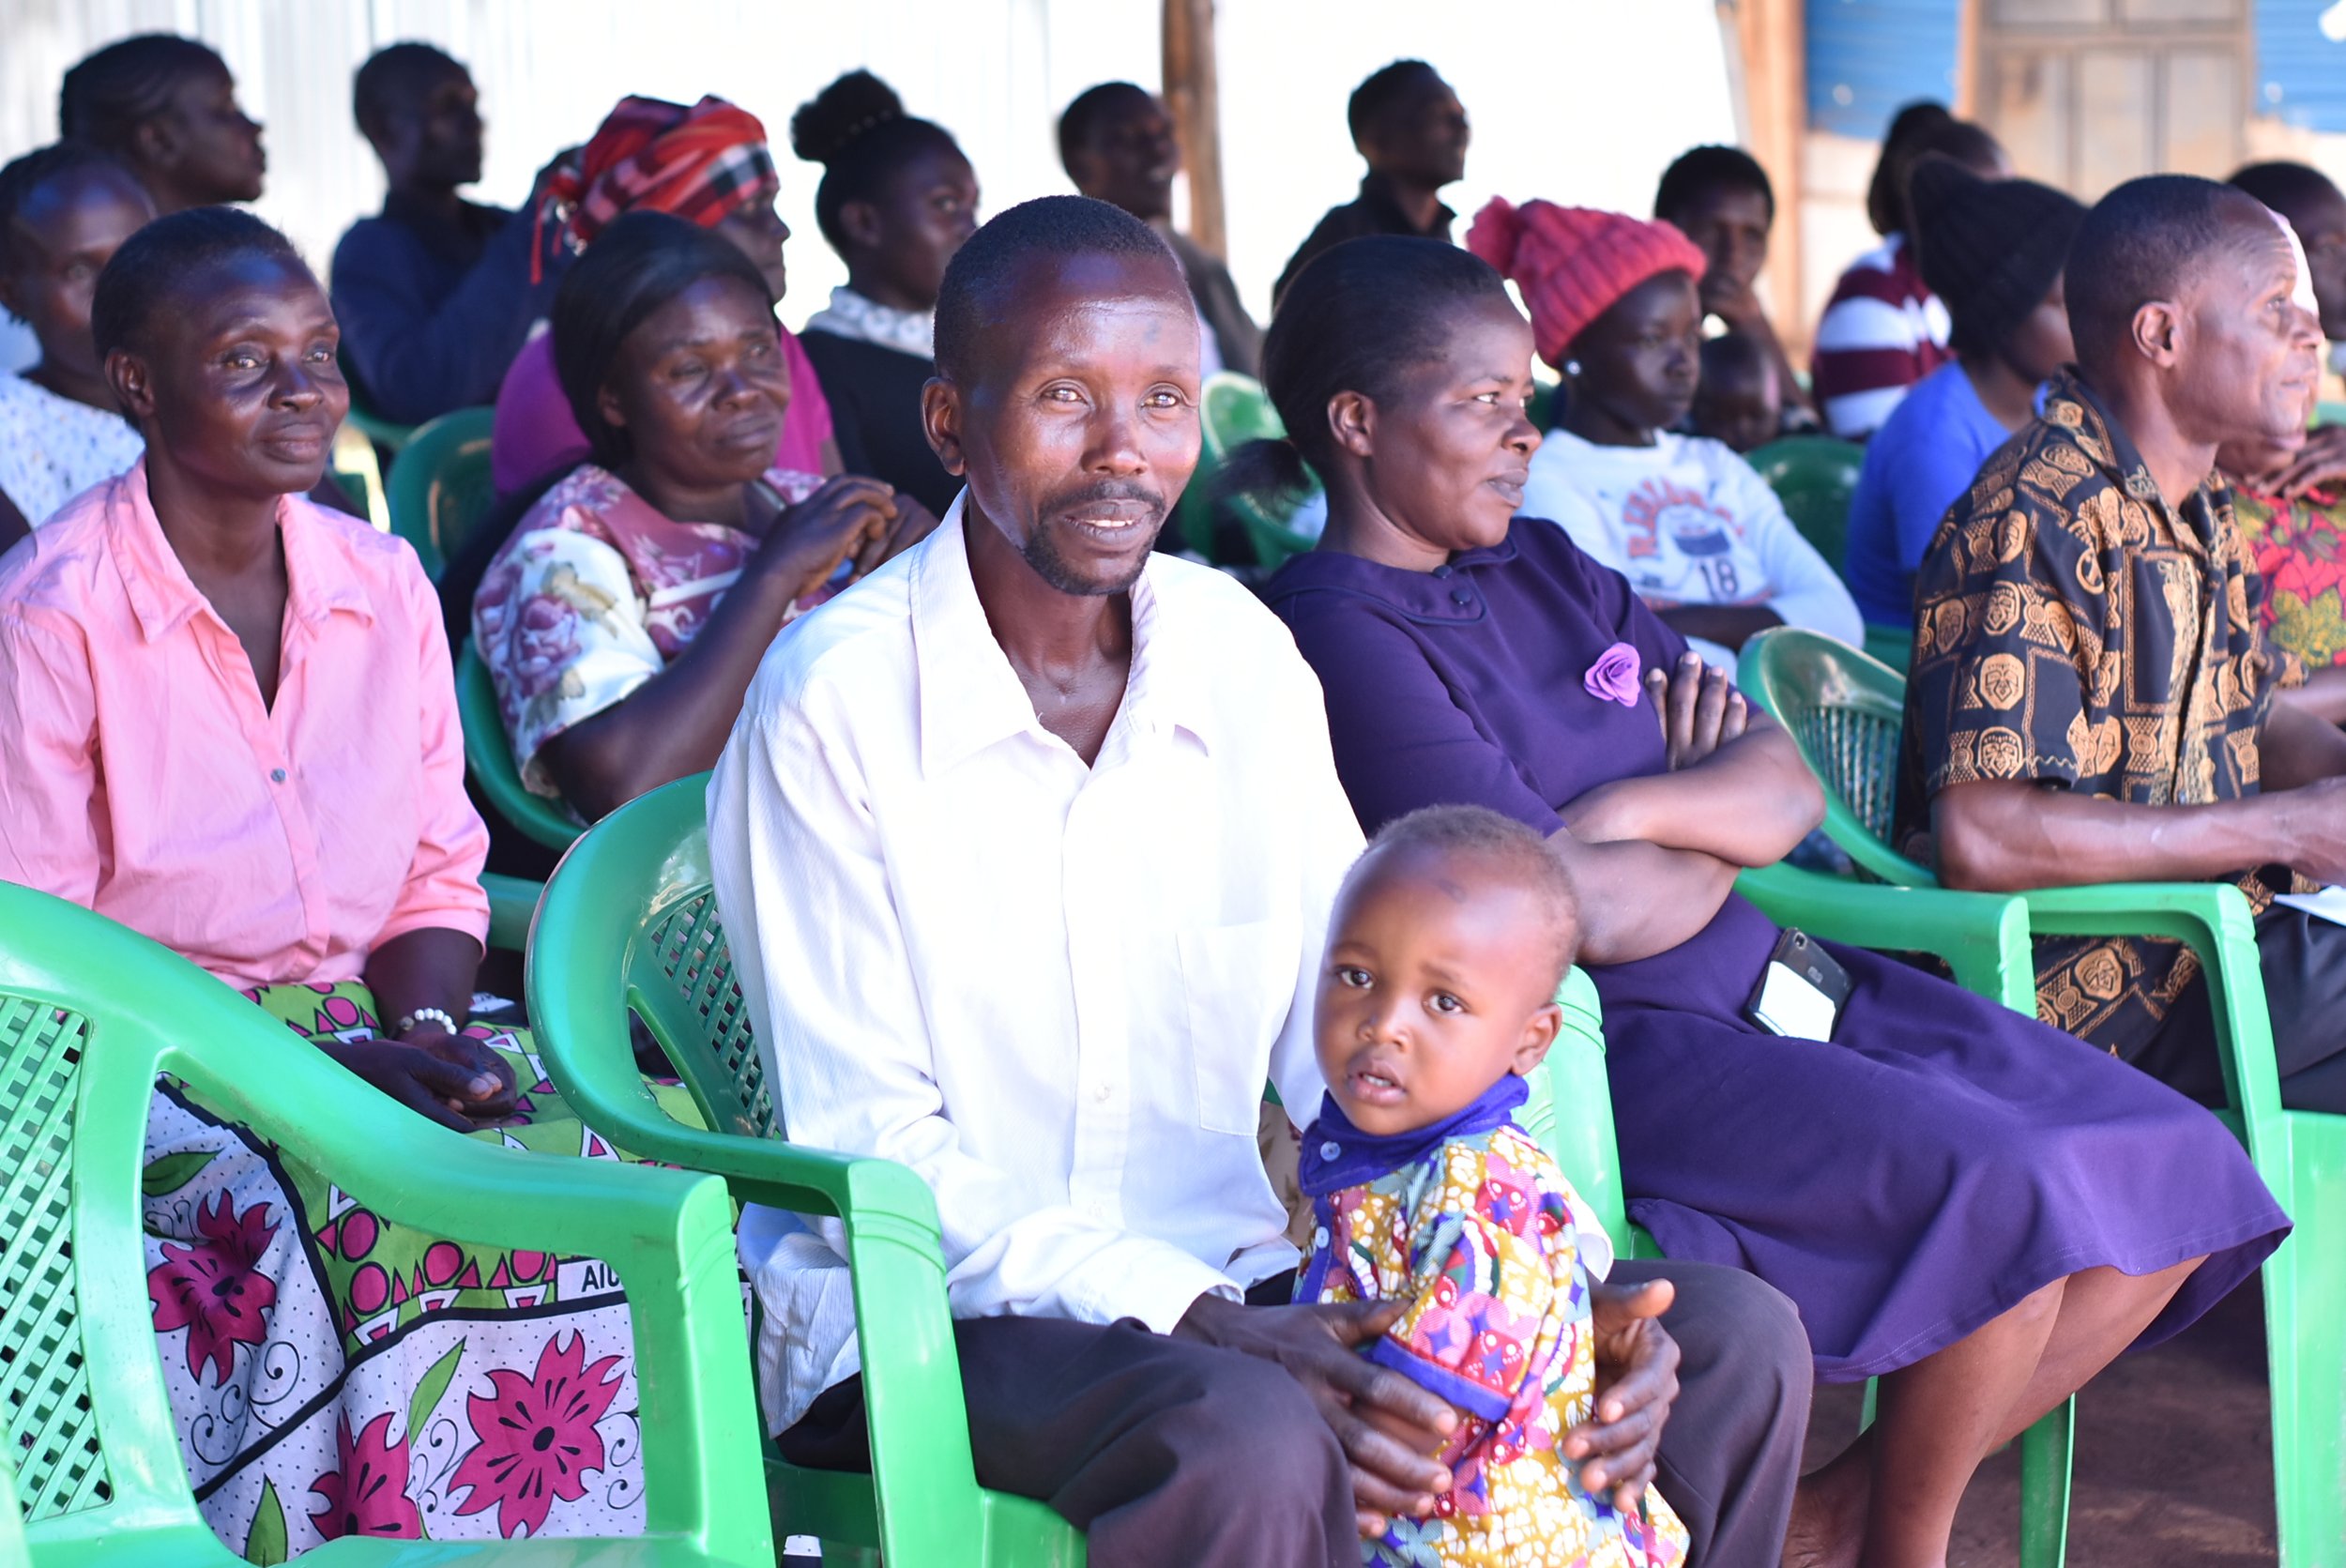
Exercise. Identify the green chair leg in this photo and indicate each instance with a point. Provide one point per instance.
(2044, 1450)
(2307, 1350)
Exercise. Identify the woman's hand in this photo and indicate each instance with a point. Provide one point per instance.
(914, 523)
(446, 1084)
(806, 543)
(1699, 708)
(1637, 1378)
(2319, 463)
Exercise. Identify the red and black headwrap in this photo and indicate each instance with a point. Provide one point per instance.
(703, 164)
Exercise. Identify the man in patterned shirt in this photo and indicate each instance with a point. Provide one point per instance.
(2091, 698)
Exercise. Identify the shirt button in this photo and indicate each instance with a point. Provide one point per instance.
(1329, 1151)
(1442, 570)
(277, 775)
(1462, 596)
(1105, 1093)
(1320, 1237)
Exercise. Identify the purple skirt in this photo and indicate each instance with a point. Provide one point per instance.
(1940, 1160)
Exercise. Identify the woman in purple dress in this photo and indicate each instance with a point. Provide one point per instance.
(1975, 1208)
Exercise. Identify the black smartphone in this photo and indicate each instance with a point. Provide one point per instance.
(1801, 991)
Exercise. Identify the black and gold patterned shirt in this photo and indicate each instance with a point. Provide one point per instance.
(2075, 630)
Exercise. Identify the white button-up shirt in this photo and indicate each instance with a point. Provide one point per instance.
(1054, 990)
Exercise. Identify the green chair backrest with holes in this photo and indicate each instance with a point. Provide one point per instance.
(1816, 478)
(13, 1552)
(1237, 410)
(488, 758)
(1844, 711)
(90, 1015)
(440, 485)
(630, 923)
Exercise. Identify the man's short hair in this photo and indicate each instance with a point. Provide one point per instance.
(1522, 856)
(2144, 241)
(1385, 90)
(1093, 108)
(393, 75)
(1702, 170)
(1000, 255)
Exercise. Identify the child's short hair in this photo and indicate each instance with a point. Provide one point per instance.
(1522, 855)
(1733, 355)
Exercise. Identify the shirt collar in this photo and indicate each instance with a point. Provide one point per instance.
(1337, 1155)
(2070, 402)
(321, 578)
(970, 696)
(850, 315)
(1447, 595)
(1376, 195)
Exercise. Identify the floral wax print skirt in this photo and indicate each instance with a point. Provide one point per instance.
(333, 1372)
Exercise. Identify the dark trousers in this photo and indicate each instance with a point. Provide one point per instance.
(1168, 1452)
(2304, 963)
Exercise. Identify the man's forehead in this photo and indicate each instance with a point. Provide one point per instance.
(1053, 293)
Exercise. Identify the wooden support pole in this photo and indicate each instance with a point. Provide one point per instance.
(1775, 80)
(1194, 102)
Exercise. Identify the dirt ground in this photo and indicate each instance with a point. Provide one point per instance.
(2174, 1465)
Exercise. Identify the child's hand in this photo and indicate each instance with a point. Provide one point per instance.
(1637, 1378)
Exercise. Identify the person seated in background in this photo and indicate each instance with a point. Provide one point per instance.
(167, 107)
(1117, 143)
(435, 294)
(954, 782)
(1706, 543)
(1739, 400)
(64, 209)
(2295, 521)
(897, 199)
(1993, 249)
(1883, 329)
(1410, 129)
(1963, 1202)
(1720, 198)
(2090, 699)
(227, 723)
(623, 617)
(709, 163)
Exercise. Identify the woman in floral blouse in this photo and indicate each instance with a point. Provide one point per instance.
(622, 620)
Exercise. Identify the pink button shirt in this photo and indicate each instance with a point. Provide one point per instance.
(141, 776)
(535, 434)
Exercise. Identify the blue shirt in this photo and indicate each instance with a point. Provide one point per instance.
(1918, 463)
(433, 312)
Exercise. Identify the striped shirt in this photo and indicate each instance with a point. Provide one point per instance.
(1883, 331)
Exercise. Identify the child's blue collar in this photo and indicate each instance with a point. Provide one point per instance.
(1337, 1155)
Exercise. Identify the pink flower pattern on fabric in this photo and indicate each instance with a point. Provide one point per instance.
(538, 1437)
(216, 1291)
(1614, 676)
(367, 1496)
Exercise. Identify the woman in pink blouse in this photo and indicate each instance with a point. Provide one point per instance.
(622, 620)
(227, 721)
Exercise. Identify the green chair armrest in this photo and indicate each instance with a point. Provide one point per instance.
(2214, 921)
(1984, 938)
(513, 904)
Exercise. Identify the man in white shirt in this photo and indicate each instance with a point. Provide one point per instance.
(1025, 845)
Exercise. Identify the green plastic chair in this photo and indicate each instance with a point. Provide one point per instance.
(90, 1013)
(13, 1552)
(488, 758)
(440, 485)
(1845, 710)
(1815, 477)
(386, 433)
(1237, 410)
(2327, 413)
(629, 922)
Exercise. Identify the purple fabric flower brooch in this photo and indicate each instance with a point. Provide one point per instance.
(1614, 676)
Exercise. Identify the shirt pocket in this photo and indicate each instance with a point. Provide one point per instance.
(1239, 981)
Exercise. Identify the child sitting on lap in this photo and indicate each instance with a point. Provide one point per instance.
(1448, 942)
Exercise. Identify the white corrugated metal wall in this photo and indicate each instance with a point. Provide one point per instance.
(1576, 100)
